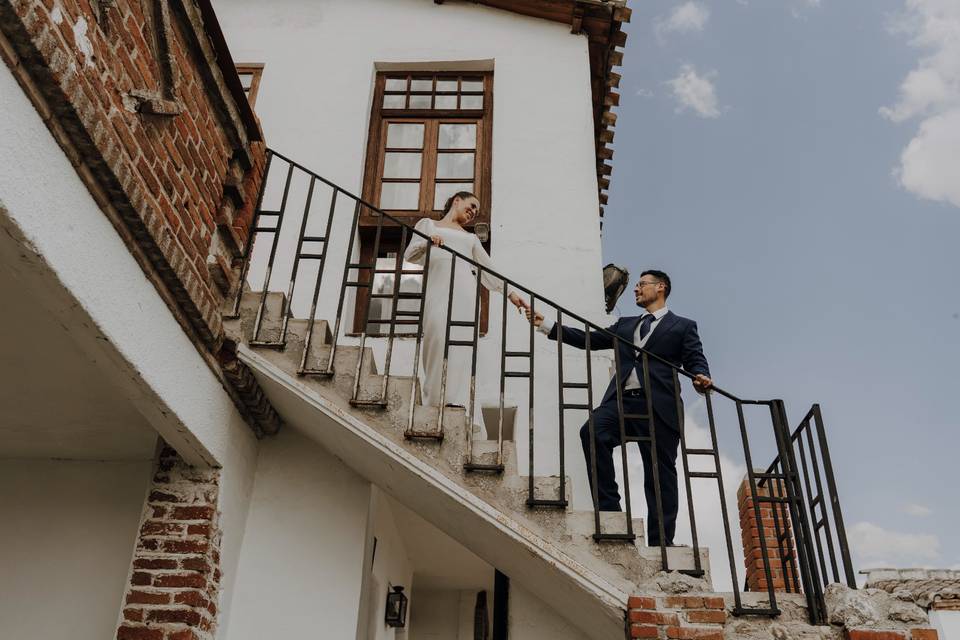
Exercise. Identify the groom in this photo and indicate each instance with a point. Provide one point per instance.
(663, 333)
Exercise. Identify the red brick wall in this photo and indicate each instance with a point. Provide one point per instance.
(172, 160)
(175, 576)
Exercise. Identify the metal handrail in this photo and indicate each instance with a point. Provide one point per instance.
(785, 470)
(513, 283)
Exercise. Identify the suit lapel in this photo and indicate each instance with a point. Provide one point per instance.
(665, 324)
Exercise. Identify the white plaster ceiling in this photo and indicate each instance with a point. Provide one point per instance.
(54, 401)
(439, 562)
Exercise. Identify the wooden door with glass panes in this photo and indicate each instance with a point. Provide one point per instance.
(429, 138)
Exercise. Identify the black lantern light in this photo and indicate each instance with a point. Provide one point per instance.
(396, 615)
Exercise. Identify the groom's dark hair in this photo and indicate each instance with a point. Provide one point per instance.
(662, 277)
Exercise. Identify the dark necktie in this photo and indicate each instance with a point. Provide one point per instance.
(645, 323)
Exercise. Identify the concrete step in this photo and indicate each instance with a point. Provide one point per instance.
(622, 562)
(485, 452)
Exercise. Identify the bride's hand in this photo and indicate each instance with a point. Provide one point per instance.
(437, 241)
(517, 301)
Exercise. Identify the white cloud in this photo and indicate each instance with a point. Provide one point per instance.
(917, 510)
(875, 546)
(695, 91)
(931, 93)
(689, 17)
(799, 6)
(644, 93)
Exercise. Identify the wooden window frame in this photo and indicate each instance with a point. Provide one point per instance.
(255, 70)
(380, 117)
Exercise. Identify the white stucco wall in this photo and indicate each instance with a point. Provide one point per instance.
(947, 623)
(391, 566)
(531, 618)
(315, 103)
(78, 268)
(65, 545)
(302, 557)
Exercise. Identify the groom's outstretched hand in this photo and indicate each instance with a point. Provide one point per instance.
(535, 318)
(702, 383)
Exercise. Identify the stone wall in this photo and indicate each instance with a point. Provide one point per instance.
(679, 610)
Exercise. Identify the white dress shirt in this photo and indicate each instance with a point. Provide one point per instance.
(632, 382)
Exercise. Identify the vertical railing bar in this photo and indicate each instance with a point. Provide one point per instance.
(623, 435)
(592, 431)
(419, 339)
(397, 277)
(804, 549)
(308, 339)
(686, 472)
(353, 231)
(251, 236)
(823, 509)
(446, 345)
(473, 363)
(503, 376)
(711, 420)
(288, 302)
(530, 401)
(782, 535)
(366, 319)
(815, 529)
(273, 254)
(752, 481)
(558, 327)
(654, 461)
(834, 499)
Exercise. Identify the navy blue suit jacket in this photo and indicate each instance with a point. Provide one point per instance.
(675, 339)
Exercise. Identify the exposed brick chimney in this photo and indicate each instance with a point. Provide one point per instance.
(782, 556)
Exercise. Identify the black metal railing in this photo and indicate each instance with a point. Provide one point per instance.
(368, 279)
(802, 491)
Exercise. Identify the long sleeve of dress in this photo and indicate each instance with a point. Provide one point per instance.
(417, 249)
(481, 256)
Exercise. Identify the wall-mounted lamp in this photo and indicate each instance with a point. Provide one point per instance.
(482, 229)
(396, 615)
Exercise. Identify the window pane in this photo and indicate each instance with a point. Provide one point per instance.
(246, 79)
(399, 195)
(384, 283)
(445, 102)
(404, 136)
(419, 102)
(447, 189)
(457, 136)
(471, 84)
(421, 84)
(393, 101)
(403, 165)
(446, 85)
(471, 102)
(396, 84)
(455, 165)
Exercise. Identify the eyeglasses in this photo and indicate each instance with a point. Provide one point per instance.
(643, 284)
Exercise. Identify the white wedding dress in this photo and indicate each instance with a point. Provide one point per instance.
(435, 308)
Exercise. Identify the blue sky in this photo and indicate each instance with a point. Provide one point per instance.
(795, 166)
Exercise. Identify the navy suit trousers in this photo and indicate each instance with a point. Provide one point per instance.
(606, 422)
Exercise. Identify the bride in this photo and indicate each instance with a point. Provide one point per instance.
(460, 209)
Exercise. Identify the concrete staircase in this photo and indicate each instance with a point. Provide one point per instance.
(552, 547)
